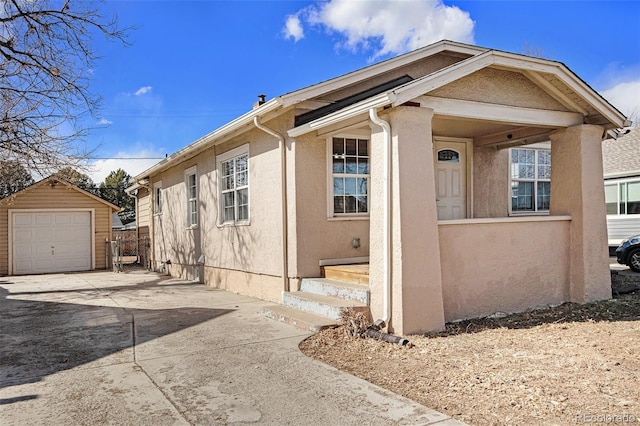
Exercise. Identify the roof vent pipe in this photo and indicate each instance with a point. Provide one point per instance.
(262, 99)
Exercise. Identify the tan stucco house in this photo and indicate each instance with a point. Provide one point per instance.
(425, 166)
(53, 226)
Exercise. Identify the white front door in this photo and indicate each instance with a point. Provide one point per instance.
(451, 179)
(51, 242)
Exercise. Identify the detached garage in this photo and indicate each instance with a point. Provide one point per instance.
(53, 226)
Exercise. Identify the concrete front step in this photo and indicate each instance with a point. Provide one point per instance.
(358, 274)
(340, 289)
(297, 318)
(321, 305)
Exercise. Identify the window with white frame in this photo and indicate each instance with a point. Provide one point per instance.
(191, 182)
(157, 198)
(530, 180)
(622, 197)
(349, 180)
(233, 172)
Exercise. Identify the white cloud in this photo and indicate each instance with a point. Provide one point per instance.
(104, 121)
(143, 90)
(293, 28)
(625, 96)
(389, 26)
(127, 161)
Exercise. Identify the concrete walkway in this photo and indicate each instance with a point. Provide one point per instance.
(142, 349)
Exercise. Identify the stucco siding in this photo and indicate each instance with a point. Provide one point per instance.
(45, 197)
(503, 266)
(173, 240)
(501, 87)
(253, 248)
(491, 184)
(318, 236)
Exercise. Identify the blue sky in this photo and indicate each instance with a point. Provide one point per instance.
(195, 65)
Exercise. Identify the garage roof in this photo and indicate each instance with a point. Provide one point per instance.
(53, 181)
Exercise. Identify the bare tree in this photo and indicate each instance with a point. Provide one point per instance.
(77, 178)
(536, 52)
(46, 59)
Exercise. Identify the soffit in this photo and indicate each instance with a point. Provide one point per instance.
(557, 86)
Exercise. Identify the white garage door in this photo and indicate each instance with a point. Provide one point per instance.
(51, 242)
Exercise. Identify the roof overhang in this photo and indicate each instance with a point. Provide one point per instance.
(294, 98)
(379, 68)
(621, 175)
(217, 136)
(417, 89)
(475, 59)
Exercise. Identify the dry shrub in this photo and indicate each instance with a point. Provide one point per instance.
(354, 322)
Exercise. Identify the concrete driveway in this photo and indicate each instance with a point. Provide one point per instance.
(144, 349)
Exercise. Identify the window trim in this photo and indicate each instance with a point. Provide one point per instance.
(535, 180)
(224, 157)
(191, 171)
(157, 207)
(331, 215)
(617, 182)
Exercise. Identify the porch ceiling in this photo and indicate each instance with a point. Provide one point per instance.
(462, 128)
(489, 133)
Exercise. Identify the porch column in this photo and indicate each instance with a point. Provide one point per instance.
(577, 189)
(416, 300)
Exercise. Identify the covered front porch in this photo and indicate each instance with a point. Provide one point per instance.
(457, 227)
(437, 263)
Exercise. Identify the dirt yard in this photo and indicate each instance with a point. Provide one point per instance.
(563, 365)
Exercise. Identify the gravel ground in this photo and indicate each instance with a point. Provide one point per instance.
(563, 365)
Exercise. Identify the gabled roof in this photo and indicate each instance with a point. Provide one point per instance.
(536, 69)
(553, 77)
(290, 99)
(621, 157)
(54, 180)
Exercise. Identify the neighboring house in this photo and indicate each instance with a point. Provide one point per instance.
(621, 158)
(404, 164)
(130, 226)
(53, 226)
(116, 223)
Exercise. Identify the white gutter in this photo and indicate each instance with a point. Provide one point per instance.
(283, 197)
(386, 230)
(362, 107)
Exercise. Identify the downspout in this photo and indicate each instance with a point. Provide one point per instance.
(283, 189)
(386, 131)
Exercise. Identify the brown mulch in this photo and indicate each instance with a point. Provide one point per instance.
(562, 365)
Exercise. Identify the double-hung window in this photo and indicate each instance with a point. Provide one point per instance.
(157, 198)
(530, 180)
(191, 182)
(233, 172)
(349, 181)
